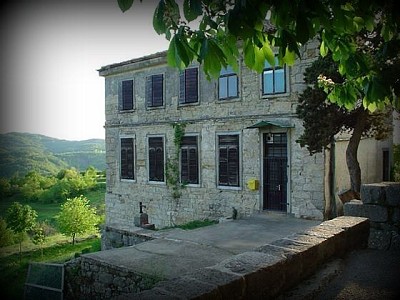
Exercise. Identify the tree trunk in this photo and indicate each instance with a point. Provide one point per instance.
(73, 239)
(351, 152)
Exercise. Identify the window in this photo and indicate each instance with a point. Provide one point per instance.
(188, 86)
(155, 90)
(156, 159)
(228, 160)
(228, 84)
(127, 159)
(189, 160)
(273, 79)
(126, 100)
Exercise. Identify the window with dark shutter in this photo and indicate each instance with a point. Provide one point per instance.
(188, 86)
(228, 164)
(127, 159)
(273, 79)
(155, 90)
(126, 102)
(227, 84)
(156, 159)
(189, 160)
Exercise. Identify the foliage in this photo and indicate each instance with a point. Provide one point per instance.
(396, 163)
(22, 153)
(13, 274)
(219, 26)
(38, 236)
(172, 166)
(77, 217)
(6, 234)
(20, 219)
(323, 119)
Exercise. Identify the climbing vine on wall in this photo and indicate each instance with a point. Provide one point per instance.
(172, 167)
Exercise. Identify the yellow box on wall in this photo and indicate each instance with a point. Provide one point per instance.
(253, 184)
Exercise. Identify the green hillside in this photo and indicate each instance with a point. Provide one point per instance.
(24, 152)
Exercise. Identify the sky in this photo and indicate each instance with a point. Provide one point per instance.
(50, 53)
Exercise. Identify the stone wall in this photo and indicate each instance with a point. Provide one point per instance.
(117, 238)
(380, 203)
(268, 271)
(206, 119)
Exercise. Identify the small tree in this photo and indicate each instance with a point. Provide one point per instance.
(39, 237)
(77, 217)
(20, 219)
(6, 234)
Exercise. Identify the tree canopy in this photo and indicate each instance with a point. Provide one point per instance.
(209, 32)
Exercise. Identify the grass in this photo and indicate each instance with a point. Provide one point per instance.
(13, 272)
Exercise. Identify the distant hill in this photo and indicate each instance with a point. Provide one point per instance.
(21, 153)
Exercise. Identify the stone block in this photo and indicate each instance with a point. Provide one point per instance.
(373, 193)
(379, 239)
(148, 295)
(393, 193)
(375, 213)
(187, 288)
(395, 216)
(230, 286)
(395, 242)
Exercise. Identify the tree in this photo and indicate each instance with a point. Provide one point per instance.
(323, 120)
(38, 236)
(20, 219)
(6, 234)
(208, 31)
(77, 217)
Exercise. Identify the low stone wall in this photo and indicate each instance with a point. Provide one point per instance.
(380, 203)
(269, 270)
(115, 238)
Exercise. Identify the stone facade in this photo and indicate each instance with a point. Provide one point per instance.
(206, 119)
(380, 203)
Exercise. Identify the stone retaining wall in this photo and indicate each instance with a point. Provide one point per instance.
(269, 270)
(115, 238)
(380, 203)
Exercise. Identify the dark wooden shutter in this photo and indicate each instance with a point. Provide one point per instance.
(127, 94)
(182, 87)
(156, 159)
(228, 160)
(189, 160)
(127, 158)
(149, 91)
(191, 85)
(158, 90)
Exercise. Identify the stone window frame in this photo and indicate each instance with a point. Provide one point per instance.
(198, 160)
(240, 160)
(148, 137)
(182, 101)
(121, 94)
(228, 74)
(286, 93)
(147, 87)
(133, 137)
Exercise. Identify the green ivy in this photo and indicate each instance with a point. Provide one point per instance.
(172, 166)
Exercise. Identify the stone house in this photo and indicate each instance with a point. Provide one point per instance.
(238, 149)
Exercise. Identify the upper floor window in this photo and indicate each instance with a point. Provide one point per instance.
(227, 84)
(189, 86)
(189, 160)
(127, 159)
(273, 79)
(126, 95)
(228, 160)
(156, 159)
(155, 90)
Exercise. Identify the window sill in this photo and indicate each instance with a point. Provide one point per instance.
(231, 188)
(149, 108)
(274, 96)
(188, 104)
(127, 111)
(156, 182)
(229, 100)
(128, 180)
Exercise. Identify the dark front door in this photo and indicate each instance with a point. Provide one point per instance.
(275, 171)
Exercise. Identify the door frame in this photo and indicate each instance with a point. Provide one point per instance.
(288, 170)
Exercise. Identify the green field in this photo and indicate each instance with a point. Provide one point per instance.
(57, 248)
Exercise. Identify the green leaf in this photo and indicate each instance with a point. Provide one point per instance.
(192, 9)
(158, 18)
(181, 50)
(173, 58)
(124, 5)
(268, 54)
(289, 57)
(323, 49)
(249, 56)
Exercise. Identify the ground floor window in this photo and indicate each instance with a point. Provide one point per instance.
(189, 160)
(228, 160)
(156, 158)
(127, 159)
